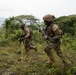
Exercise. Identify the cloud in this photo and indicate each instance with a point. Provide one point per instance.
(37, 8)
(6, 10)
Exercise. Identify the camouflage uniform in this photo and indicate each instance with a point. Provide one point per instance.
(54, 32)
(27, 33)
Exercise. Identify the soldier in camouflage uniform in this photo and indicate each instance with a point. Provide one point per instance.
(27, 33)
(53, 31)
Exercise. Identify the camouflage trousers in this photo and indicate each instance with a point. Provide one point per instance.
(56, 47)
(28, 45)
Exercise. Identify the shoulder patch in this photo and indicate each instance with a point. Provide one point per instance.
(26, 28)
(55, 27)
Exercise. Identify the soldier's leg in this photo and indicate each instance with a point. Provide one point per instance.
(59, 52)
(31, 46)
(26, 49)
(49, 54)
(26, 46)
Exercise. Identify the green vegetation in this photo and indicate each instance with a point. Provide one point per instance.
(67, 24)
(14, 61)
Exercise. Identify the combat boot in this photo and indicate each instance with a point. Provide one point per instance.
(27, 50)
(49, 62)
(65, 64)
(36, 49)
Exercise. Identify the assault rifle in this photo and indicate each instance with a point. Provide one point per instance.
(44, 32)
(21, 38)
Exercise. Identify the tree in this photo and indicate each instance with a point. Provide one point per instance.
(28, 19)
(66, 23)
(11, 24)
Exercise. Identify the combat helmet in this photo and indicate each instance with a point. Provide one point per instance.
(22, 25)
(48, 17)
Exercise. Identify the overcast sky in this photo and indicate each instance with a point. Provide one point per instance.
(38, 8)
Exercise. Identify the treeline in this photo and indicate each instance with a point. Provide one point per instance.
(9, 46)
(12, 25)
(67, 24)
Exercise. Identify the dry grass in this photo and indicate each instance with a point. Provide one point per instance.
(14, 62)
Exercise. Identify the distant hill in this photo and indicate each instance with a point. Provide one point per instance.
(2, 19)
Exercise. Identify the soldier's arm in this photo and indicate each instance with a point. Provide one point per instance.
(58, 32)
(28, 33)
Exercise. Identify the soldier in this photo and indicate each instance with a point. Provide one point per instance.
(27, 34)
(55, 33)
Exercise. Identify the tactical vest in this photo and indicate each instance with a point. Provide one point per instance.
(50, 32)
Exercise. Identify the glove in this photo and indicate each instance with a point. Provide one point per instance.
(45, 37)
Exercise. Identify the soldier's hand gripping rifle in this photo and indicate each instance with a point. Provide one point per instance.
(21, 38)
(44, 32)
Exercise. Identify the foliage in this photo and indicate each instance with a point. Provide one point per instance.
(67, 24)
(28, 19)
(12, 24)
(14, 62)
(33, 62)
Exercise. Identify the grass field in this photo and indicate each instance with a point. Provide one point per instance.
(14, 61)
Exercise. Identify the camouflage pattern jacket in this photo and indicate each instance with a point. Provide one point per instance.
(27, 33)
(54, 31)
